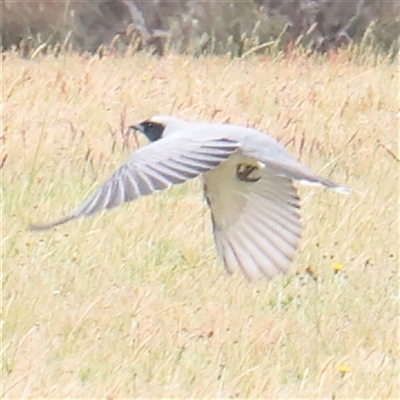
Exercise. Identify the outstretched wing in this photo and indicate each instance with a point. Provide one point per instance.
(152, 168)
(256, 221)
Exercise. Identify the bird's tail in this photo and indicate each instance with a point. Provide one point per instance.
(304, 175)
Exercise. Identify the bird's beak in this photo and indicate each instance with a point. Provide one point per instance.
(135, 128)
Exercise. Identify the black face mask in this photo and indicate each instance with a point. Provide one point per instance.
(152, 130)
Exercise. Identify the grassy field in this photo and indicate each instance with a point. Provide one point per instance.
(135, 302)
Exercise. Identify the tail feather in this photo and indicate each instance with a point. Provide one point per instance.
(301, 173)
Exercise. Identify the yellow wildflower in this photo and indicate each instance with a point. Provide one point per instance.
(343, 368)
(337, 267)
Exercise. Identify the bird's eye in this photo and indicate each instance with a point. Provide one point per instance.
(150, 125)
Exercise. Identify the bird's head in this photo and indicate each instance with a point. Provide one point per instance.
(151, 128)
(159, 126)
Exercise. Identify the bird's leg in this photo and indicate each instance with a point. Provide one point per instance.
(243, 172)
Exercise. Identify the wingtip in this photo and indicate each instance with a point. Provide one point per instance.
(37, 227)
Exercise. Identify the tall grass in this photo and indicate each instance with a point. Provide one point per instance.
(135, 302)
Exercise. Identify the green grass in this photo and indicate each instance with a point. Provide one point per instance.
(135, 302)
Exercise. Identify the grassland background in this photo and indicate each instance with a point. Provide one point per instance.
(135, 302)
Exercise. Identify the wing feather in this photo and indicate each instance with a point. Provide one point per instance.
(154, 167)
(131, 188)
(256, 223)
(243, 250)
(284, 217)
(263, 254)
(226, 252)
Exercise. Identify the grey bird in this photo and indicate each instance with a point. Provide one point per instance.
(248, 185)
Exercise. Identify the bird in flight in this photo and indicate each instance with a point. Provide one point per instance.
(247, 180)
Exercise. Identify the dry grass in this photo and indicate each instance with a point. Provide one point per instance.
(135, 302)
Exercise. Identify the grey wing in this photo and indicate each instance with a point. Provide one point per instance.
(256, 223)
(152, 168)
